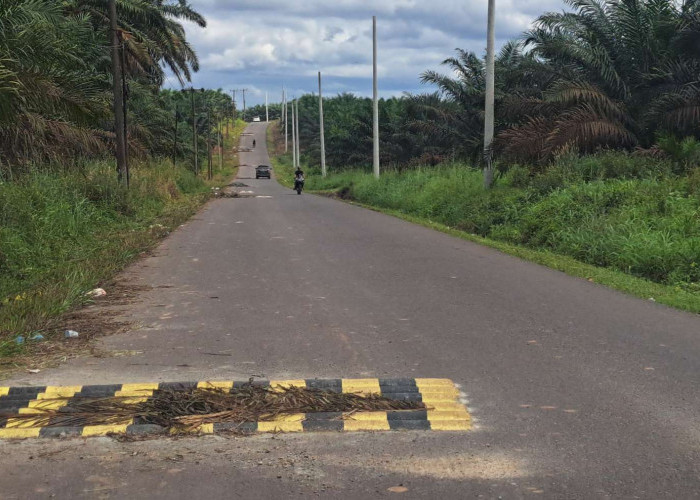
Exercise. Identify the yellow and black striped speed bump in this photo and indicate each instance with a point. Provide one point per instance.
(443, 412)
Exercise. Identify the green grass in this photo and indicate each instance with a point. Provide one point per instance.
(624, 222)
(281, 163)
(65, 231)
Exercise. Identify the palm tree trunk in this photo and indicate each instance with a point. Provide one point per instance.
(117, 91)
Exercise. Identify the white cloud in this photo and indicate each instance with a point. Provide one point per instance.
(269, 43)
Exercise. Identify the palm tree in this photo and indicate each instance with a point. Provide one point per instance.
(519, 75)
(151, 33)
(618, 73)
(50, 95)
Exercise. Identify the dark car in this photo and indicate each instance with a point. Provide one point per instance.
(262, 171)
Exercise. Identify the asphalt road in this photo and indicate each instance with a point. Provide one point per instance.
(576, 391)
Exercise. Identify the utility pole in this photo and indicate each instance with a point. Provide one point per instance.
(125, 97)
(297, 141)
(490, 88)
(286, 116)
(320, 117)
(267, 111)
(210, 164)
(227, 121)
(375, 101)
(118, 94)
(243, 91)
(219, 133)
(233, 107)
(294, 138)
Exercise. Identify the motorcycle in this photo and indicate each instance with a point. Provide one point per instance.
(298, 185)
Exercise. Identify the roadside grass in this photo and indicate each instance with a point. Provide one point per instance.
(65, 231)
(281, 161)
(623, 222)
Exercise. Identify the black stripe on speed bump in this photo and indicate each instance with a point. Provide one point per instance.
(333, 385)
(98, 391)
(177, 386)
(12, 405)
(139, 429)
(409, 425)
(236, 426)
(24, 392)
(408, 420)
(407, 415)
(323, 421)
(398, 385)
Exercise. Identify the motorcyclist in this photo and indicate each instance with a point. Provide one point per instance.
(298, 178)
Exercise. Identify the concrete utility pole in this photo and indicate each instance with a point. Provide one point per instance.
(375, 100)
(320, 117)
(267, 111)
(219, 133)
(296, 117)
(490, 88)
(210, 164)
(243, 91)
(286, 116)
(118, 90)
(294, 138)
(233, 105)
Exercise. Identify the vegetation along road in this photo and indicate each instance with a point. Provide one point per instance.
(574, 390)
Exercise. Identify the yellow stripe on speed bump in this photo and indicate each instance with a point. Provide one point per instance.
(366, 421)
(136, 393)
(19, 433)
(443, 411)
(137, 389)
(53, 398)
(25, 423)
(58, 391)
(283, 423)
(362, 386)
(206, 428)
(103, 430)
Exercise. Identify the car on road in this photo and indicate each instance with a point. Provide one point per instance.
(263, 171)
(256, 119)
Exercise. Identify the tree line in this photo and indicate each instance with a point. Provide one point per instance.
(604, 74)
(616, 74)
(55, 81)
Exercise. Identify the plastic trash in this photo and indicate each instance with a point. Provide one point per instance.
(33, 370)
(97, 292)
(19, 340)
(71, 334)
(38, 336)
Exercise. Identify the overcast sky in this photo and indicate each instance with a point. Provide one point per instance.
(264, 45)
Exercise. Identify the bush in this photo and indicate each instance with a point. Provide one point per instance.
(49, 219)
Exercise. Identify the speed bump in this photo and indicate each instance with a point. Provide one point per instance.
(443, 409)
